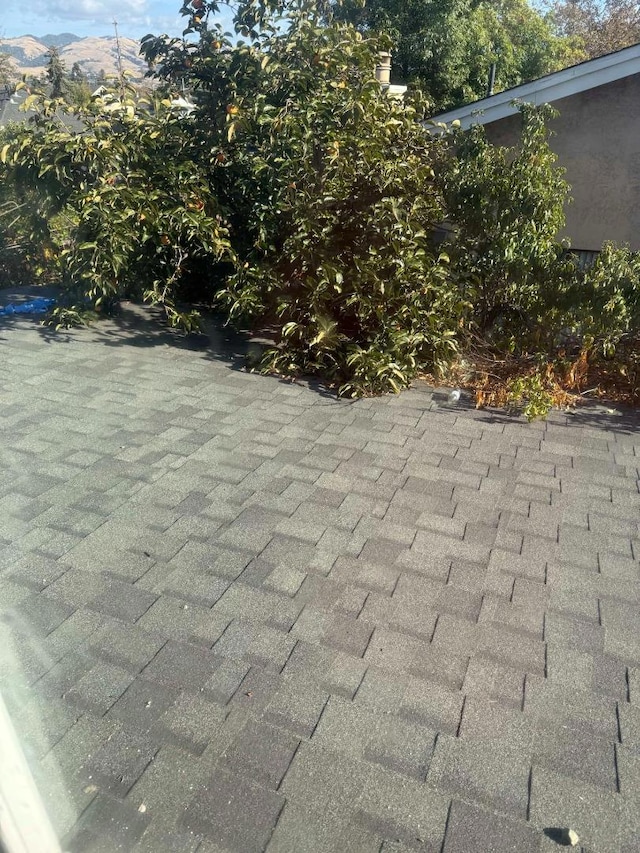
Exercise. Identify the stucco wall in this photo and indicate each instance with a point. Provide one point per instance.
(598, 142)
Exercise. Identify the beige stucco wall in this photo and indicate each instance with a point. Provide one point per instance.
(598, 142)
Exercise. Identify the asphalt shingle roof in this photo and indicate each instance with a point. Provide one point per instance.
(241, 615)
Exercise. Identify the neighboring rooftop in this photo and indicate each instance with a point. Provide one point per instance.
(10, 103)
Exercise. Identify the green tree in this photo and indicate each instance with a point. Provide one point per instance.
(301, 197)
(77, 89)
(329, 187)
(7, 70)
(56, 72)
(600, 27)
(77, 74)
(506, 206)
(139, 212)
(521, 42)
(447, 47)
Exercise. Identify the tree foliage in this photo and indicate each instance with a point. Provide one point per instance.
(139, 214)
(55, 72)
(331, 182)
(77, 74)
(7, 70)
(447, 47)
(272, 170)
(607, 310)
(505, 207)
(600, 27)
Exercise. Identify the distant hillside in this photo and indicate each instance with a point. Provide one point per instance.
(93, 54)
(59, 40)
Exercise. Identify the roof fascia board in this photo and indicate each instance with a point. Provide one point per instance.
(546, 90)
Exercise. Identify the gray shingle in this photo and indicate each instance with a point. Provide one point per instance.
(297, 705)
(629, 716)
(106, 818)
(362, 572)
(403, 808)
(301, 831)
(441, 544)
(512, 648)
(628, 767)
(323, 781)
(235, 813)
(468, 824)
(117, 765)
(263, 751)
(191, 722)
(141, 704)
(181, 665)
(99, 688)
(339, 631)
(575, 751)
(558, 706)
(183, 621)
(41, 614)
(595, 814)
(127, 646)
(124, 601)
(486, 678)
(169, 783)
(243, 602)
(487, 770)
(75, 587)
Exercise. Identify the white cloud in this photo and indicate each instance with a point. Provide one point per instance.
(90, 17)
(91, 10)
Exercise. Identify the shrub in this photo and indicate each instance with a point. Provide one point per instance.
(137, 209)
(334, 185)
(344, 258)
(305, 200)
(608, 309)
(506, 206)
(26, 253)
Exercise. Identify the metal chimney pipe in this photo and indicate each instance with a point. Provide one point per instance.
(383, 68)
(492, 80)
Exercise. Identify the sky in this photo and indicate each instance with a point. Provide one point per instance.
(90, 17)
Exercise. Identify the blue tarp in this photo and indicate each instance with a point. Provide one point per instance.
(34, 306)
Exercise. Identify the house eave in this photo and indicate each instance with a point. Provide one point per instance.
(546, 90)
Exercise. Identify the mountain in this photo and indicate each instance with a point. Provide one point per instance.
(59, 40)
(29, 54)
